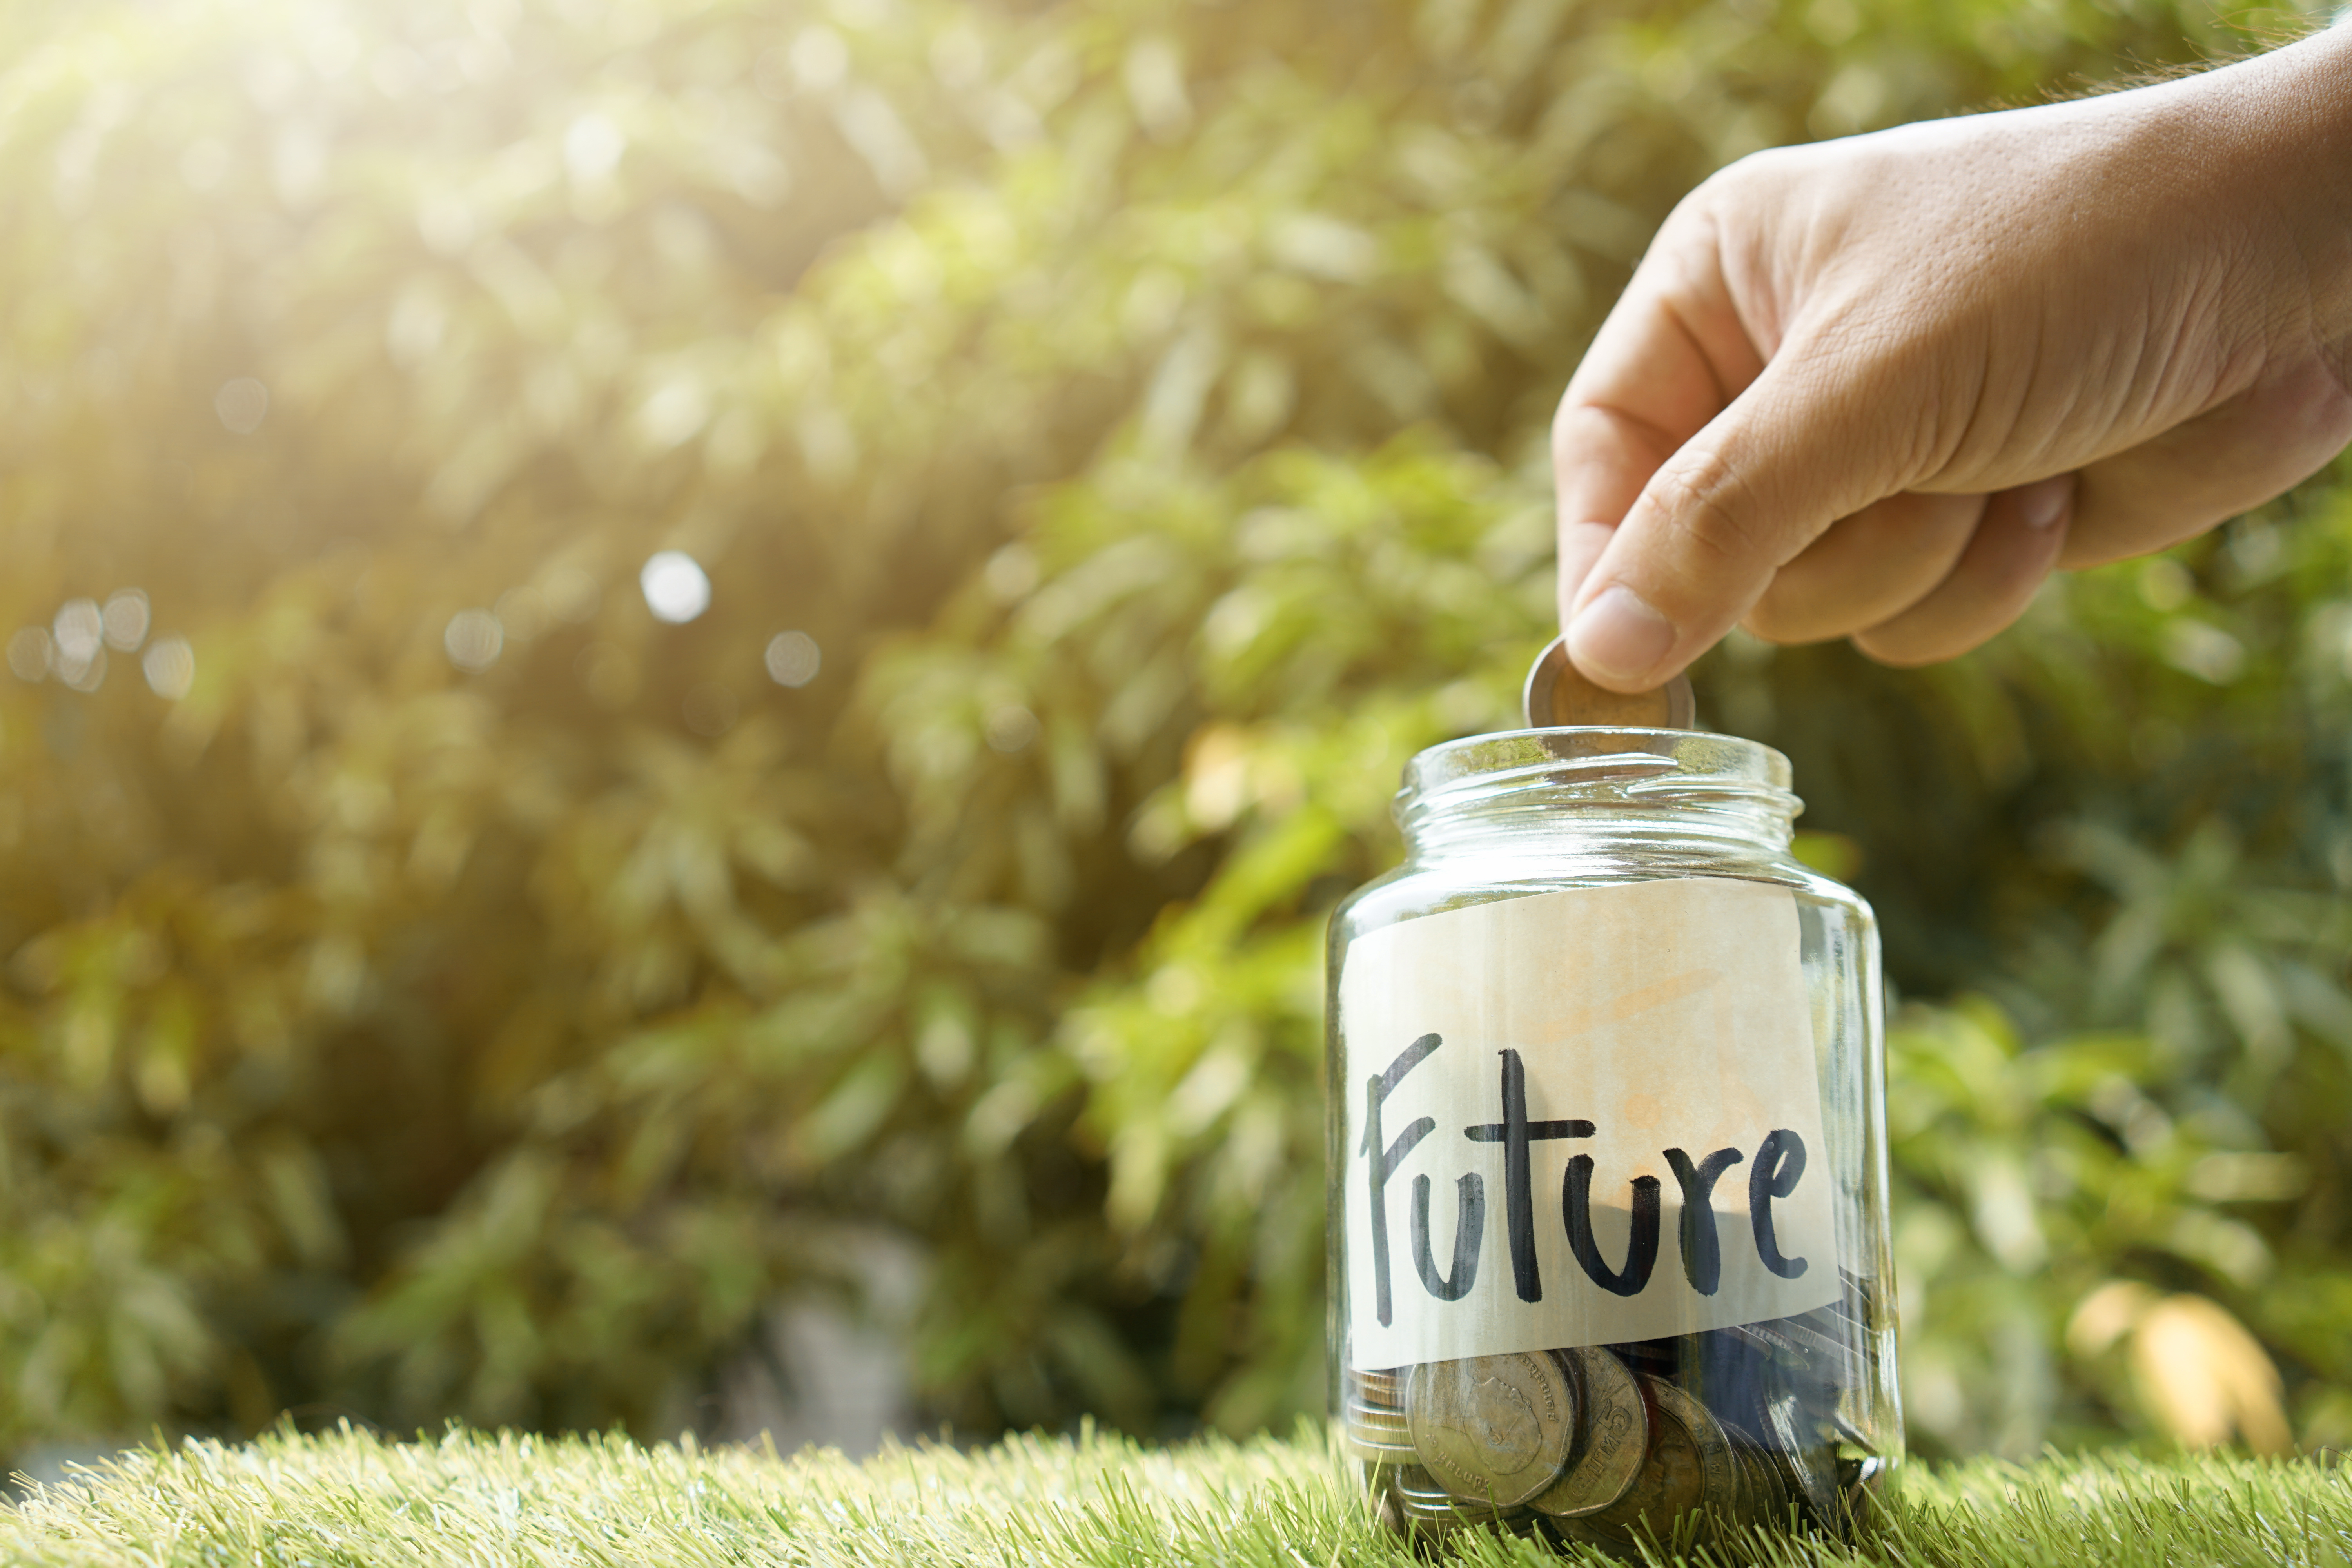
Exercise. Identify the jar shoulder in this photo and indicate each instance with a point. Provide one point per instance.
(1416, 888)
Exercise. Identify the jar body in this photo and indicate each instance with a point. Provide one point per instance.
(1607, 1239)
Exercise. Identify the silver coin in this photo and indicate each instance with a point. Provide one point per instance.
(1410, 1510)
(1493, 1429)
(1612, 1436)
(1421, 1499)
(1380, 1434)
(1379, 1447)
(1809, 1341)
(1769, 1337)
(1805, 1461)
(1558, 695)
(1375, 1425)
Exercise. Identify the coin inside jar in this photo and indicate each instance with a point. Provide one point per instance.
(1557, 694)
(1612, 1436)
(1805, 1460)
(1429, 1506)
(1380, 1434)
(1493, 1429)
(1689, 1467)
(1765, 1501)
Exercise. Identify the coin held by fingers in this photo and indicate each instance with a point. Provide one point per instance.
(1558, 695)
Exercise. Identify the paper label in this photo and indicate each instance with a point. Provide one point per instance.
(1582, 1118)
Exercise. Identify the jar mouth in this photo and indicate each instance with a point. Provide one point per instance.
(1632, 770)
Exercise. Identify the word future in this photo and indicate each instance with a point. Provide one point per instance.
(1774, 1169)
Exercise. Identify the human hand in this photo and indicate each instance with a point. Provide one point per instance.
(1881, 387)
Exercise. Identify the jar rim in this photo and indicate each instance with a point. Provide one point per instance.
(1629, 767)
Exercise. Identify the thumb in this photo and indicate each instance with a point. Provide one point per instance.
(1796, 450)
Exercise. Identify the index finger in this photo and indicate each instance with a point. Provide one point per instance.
(1672, 355)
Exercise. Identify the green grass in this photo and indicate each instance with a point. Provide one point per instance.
(1104, 1502)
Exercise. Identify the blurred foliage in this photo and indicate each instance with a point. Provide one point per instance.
(435, 985)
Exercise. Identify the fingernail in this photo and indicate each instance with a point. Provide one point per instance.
(2045, 503)
(1619, 637)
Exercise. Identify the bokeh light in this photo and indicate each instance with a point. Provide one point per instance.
(242, 405)
(473, 640)
(170, 668)
(78, 657)
(593, 148)
(125, 619)
(794, 658)
(676, 588)
(79, 630)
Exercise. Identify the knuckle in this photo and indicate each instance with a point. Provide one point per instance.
(1761, 172)
(1709, 508)
(1567, 428)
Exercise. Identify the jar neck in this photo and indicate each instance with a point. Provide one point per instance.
(1670, 794)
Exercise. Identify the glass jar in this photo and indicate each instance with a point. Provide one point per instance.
(1608, 1234)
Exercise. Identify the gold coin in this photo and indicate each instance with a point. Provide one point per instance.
(1689, 1467)
(1375, 1387)
(1493, 1429)
(1765, 1501)
(1719, 1466)
(1557, 694)
(1612, 1436)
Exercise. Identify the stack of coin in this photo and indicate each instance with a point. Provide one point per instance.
(1765, 1499)
(1374, 1415)
(1430, 1511)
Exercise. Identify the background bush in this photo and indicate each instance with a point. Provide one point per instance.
(436, 985)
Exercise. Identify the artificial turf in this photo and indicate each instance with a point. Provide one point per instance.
(1098, 1500)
